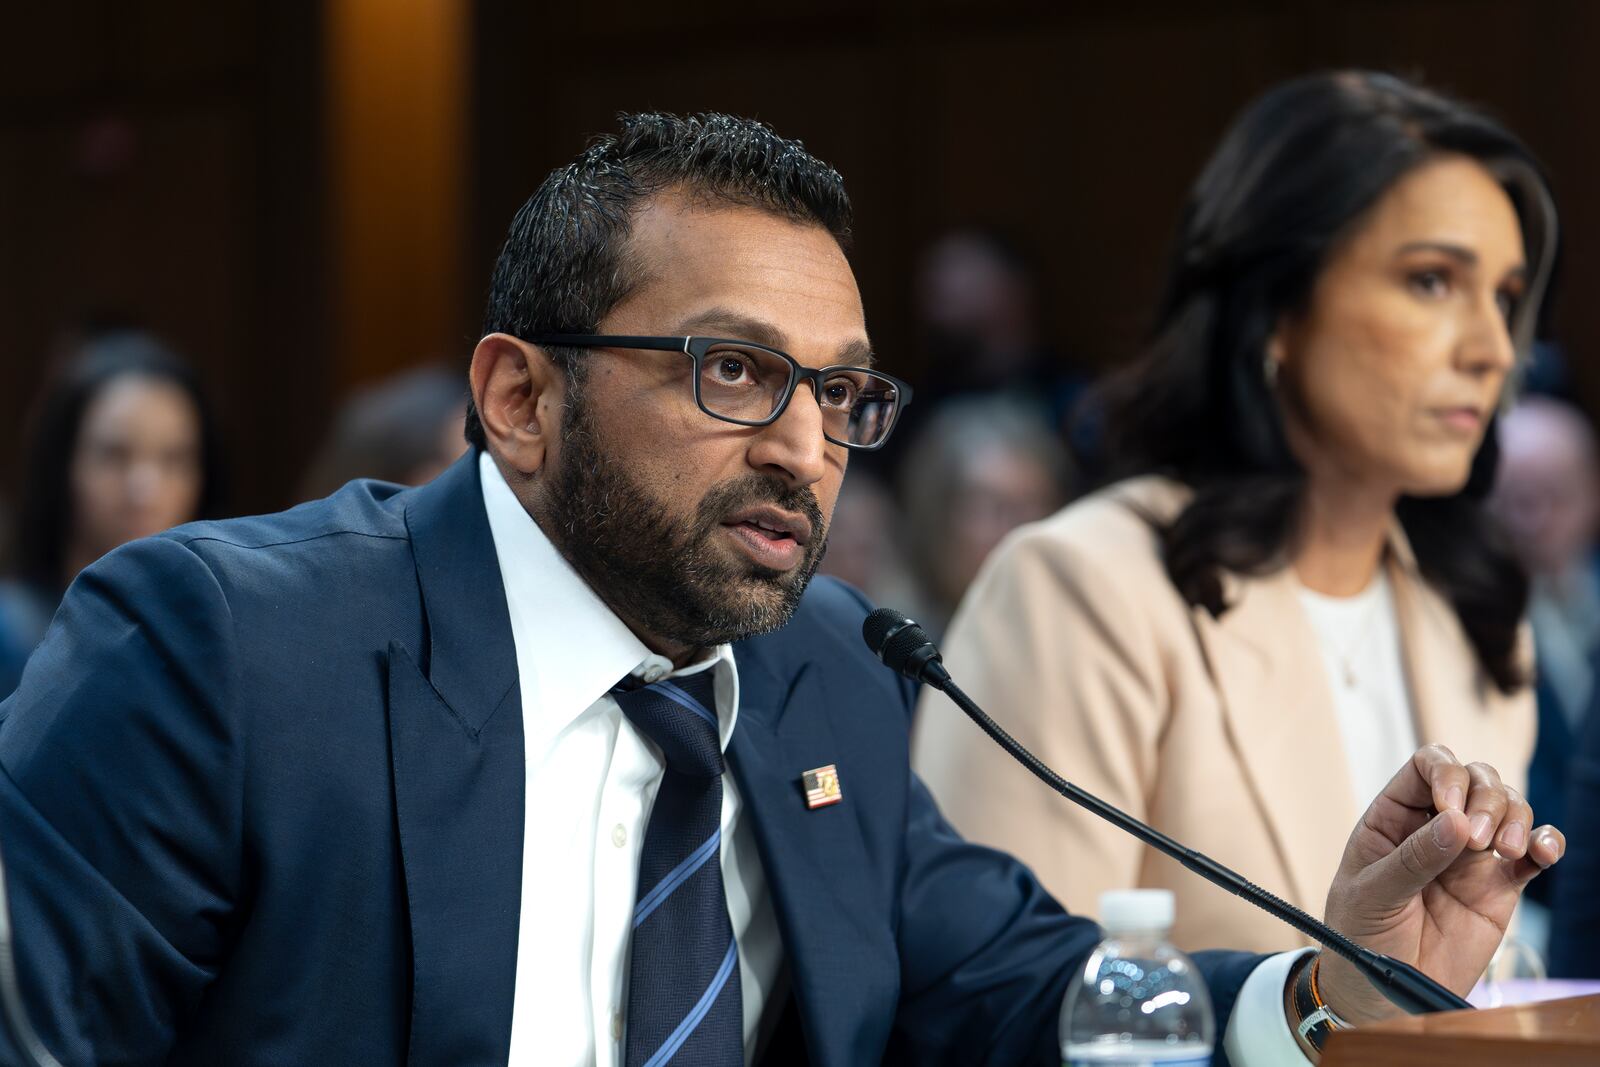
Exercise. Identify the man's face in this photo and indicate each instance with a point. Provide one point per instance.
(668, 513)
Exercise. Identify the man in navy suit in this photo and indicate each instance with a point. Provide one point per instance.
(437, 776)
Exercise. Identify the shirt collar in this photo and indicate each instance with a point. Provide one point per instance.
(571, 648)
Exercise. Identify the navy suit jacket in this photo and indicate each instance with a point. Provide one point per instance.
(262, 803)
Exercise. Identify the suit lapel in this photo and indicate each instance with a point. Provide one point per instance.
(1278, 706)
(834, 937)
(455, 727)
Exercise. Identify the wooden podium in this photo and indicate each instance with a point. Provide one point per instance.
(1551, 1033)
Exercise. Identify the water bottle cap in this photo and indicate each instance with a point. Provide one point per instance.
(1128, 910)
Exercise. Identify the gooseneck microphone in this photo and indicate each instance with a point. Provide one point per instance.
(903, 646)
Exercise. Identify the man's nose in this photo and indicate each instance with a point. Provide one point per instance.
(792, 446)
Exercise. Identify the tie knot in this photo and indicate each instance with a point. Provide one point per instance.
(679, 715)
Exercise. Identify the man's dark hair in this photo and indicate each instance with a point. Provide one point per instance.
(562, 268)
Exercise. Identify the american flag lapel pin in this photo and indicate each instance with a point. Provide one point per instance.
(822, 787)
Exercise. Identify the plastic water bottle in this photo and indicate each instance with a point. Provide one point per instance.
(1137, 1001)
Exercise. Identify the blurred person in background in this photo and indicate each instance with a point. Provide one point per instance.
(864, 541)
(405, 429)
(979, 468)
(978, 301)
(1294, 582)
(1547, 496)
(1574, 946)
(978, 304)
(17, 623)
(122, 445)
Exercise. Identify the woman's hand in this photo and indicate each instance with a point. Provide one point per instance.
(1431, 875)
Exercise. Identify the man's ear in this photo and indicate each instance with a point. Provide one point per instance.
(518, 393)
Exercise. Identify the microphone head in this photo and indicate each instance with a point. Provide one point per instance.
(900, 643)
(877, 628)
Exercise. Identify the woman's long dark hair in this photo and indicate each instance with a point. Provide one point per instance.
(44, 516)
(1292, 176)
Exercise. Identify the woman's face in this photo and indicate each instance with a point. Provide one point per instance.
(136, 469)
(1390, 375)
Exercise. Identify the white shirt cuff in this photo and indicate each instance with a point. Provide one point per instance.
(1258, 1033)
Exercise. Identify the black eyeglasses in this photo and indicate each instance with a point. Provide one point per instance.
(750, 384)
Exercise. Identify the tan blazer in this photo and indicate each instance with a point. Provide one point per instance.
(1220, 732)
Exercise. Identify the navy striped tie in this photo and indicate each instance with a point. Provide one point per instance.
(683, 988)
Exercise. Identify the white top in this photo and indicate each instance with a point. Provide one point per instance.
(1360, 642)
(591, 782)
(592, 779)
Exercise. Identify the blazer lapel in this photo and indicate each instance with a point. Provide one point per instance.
(455, 727)
(840, 952)
(1281, 721)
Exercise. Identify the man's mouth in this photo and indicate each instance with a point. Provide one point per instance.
(774, 524)
(770, 537)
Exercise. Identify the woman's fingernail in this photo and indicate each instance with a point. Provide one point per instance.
(1513, 835)
(1480, 829)
(1444, 833)
(1453, 798)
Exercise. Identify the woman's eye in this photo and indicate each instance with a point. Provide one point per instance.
(110, 454)
(1430, 283)
(1508, 302)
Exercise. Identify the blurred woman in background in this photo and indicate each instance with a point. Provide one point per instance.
(1294, 583)
(122, 445)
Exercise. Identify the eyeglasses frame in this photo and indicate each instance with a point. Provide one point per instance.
(697, 348)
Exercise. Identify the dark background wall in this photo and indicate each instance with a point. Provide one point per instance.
(305, 196)
(163, 163)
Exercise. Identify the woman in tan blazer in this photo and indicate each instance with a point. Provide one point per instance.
(1294, 584)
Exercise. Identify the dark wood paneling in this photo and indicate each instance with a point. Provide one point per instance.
(397, 103)
(1076, 127)
(170, 162)
(161, 163)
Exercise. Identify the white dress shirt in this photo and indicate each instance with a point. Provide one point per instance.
(591, 781)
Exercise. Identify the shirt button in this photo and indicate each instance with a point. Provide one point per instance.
(616, 1026)
(619, 835)
(654, 674)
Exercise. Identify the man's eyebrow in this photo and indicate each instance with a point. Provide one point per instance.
(721, 322)
(855, 354)
(735, 326)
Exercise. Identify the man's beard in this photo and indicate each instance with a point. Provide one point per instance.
(662, 575)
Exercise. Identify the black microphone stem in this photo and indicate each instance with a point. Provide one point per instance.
(1402, 983)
